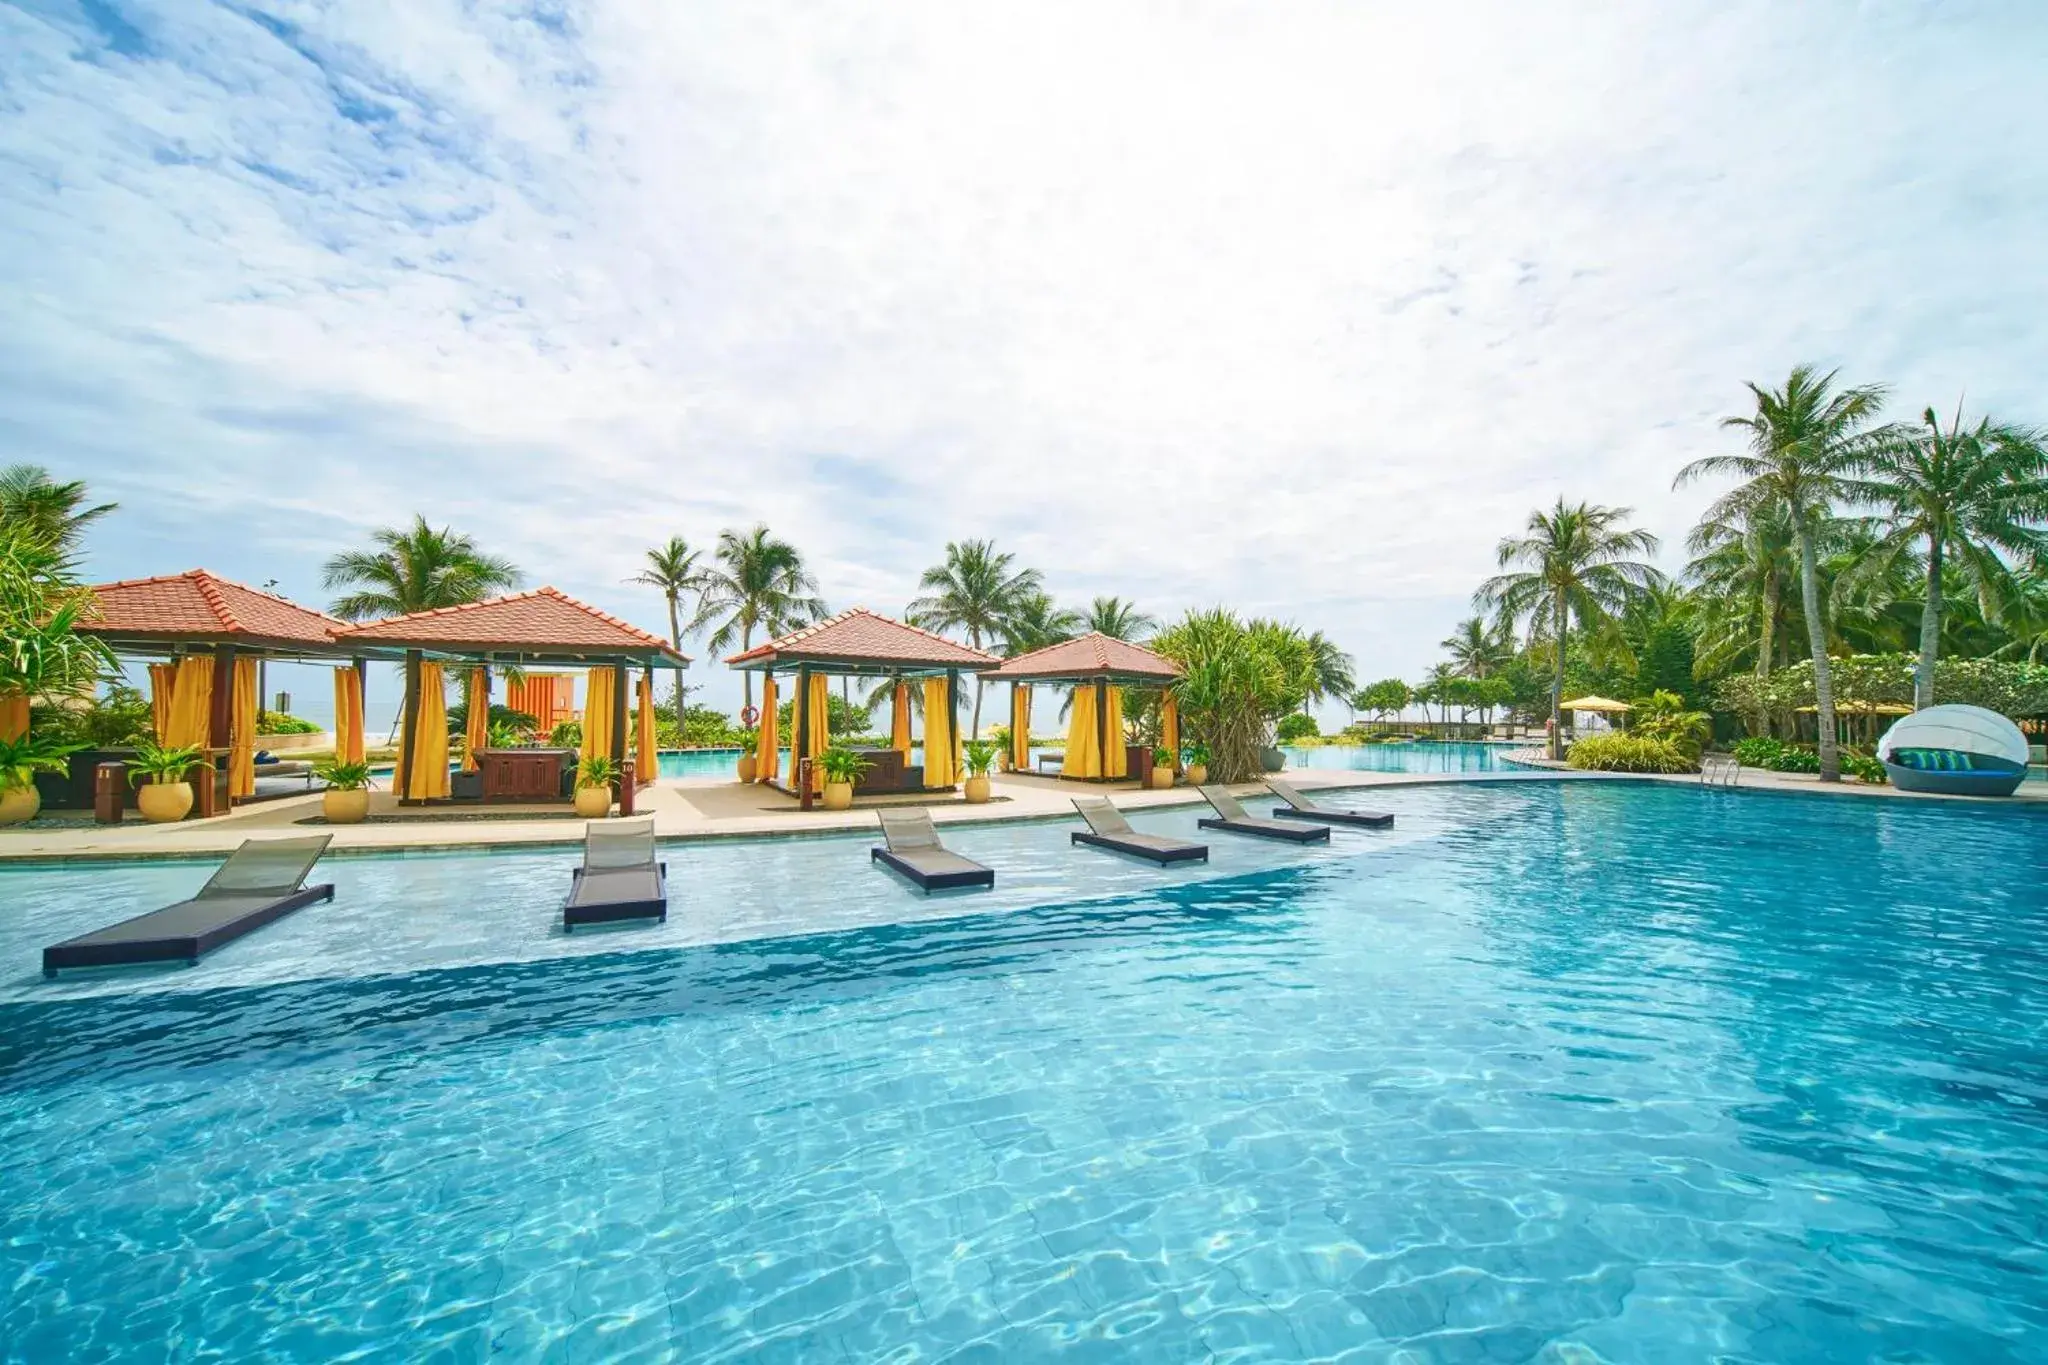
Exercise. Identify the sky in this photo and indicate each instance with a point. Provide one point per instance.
(1298, 308)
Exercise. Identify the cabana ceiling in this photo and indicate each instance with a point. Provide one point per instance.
(1093, 657)
(860, 643)
(541, 626)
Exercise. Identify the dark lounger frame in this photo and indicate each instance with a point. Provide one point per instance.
(111, 947)
(934, 881)
(1267, 829)
(1175, 853)
(612, 912)
(1364, 819)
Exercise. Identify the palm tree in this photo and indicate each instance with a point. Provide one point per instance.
(1805, 442)
(1576, 567)
(1036, 622)
(1332, 672)
(674, 569)
(1478, 648)
(1742, 566)
(1119, 620)
(1952, 495)
(44, 511)
(418, 568)
(759, 583)
(975, 590)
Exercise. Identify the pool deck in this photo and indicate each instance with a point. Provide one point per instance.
(717, 808)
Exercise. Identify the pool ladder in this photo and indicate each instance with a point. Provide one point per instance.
(1720, 772)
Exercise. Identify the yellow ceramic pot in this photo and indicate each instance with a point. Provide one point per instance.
(838, 795)
(1197, 774)
(1162, 778)
(163, 802)
(18, 804)
(748, 767)
(345, 808)
(976, 789)
(594, 803)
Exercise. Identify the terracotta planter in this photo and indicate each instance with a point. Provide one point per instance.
(18, 804)
(976, 789)
(748, 767)
(838, 795)
(594, 803)
(1197, 774)
(1162, 778)
(345, 808)
(163, 802)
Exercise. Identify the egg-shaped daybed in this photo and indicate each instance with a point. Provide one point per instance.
(1956, 751)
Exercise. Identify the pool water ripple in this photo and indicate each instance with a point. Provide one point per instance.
(1573, 1072)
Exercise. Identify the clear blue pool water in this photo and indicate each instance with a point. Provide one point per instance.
(723, 762)
(1559, 1072)
(1400, 758)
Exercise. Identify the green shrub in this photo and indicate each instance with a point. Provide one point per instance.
(1864, 767)
(114, 721)
(1775, 755)
(1298, 726)
(567, 735)
(1757, 751)
(1630, 754)
(280, 723)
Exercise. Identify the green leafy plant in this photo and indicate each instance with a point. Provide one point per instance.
(1195, 755)
(597, 771)
(979, 755)
(506, 737)
(1630, 754)
(1864, 767)
(1162, 756)
(1663, 715)
(1775, 755)
(21, 759)
(114, 721)
(279, 723)
(159, 764)
(842, 765)
(1297, 726)
(567, 735)
(343, 777)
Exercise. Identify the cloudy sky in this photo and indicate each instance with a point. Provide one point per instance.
(1297, 307)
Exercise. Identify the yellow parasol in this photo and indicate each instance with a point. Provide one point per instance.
(1596, 703)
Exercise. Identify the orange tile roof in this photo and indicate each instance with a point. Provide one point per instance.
(1091, 655)
(543, 621)
(199, 604)
(860, 636)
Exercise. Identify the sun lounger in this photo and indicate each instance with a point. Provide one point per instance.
(620, 878)
(915, 851)
(1232, 818)
(1108, 829)
(1295, 806)
(262, 881)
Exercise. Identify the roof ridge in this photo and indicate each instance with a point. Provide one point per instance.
(209, 592)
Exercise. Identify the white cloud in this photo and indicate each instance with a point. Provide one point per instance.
(1188, 302)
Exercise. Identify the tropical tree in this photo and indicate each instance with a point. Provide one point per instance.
(756, 583)
(1742, 567)
(1036, 622)
(674, 569)
(44, 511)
(977, 591)
(1947, 496)
(1478, 647)
(1120, 620)
(417, 568)
(1237, 679)
(1332, 672)
(1806, 442)
(41, 604)
(1383, 699)
(1575, 565)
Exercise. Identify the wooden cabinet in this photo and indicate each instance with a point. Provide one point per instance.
(523, 774)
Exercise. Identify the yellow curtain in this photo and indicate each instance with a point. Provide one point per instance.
(1084, 747)
(1020, 726)
(242, 732)
(598, 704)
(476, 725)
(348, 716)
(768, 755)
(13, 715)
(429, 776)
(646, 758)
(1115, 762)
(163, 686)
(191, 704)
(1169, 727)
(899, 720)
(817, 703)
(940, 742)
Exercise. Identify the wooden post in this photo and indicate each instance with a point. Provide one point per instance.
(799, 761)
(1102, 728)
(619, 720)
(408, 729)
(952, 721)
(211, 796)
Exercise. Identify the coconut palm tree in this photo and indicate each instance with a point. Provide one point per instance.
(1332, 672)
(975, 590)
(1946, 496)
(1478, 647)
(44, 511)
(417, 568)
(757, 583)
(674, 569)
(1036, 622)
(1576, 566)
(1120, 620)
(1806, 441)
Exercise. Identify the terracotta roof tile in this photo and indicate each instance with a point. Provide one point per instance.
(1094, 653)
(545, 619)
(861, 636)
(197, 603)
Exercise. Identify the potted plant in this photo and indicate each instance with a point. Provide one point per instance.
(594, 778)
(999, 735)
(1162, 768)
(979, 755)
(168, 795)
(347, 798)
(1195, 764)
(20, 761)
(749, 765)
(842, 768)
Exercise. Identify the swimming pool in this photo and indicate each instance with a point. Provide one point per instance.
(1561, 1071)
(724, 762)
(1400, 758)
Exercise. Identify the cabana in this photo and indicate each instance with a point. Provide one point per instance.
(861, 644)
(544, 627)
(204, 637)
(1097, 666)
